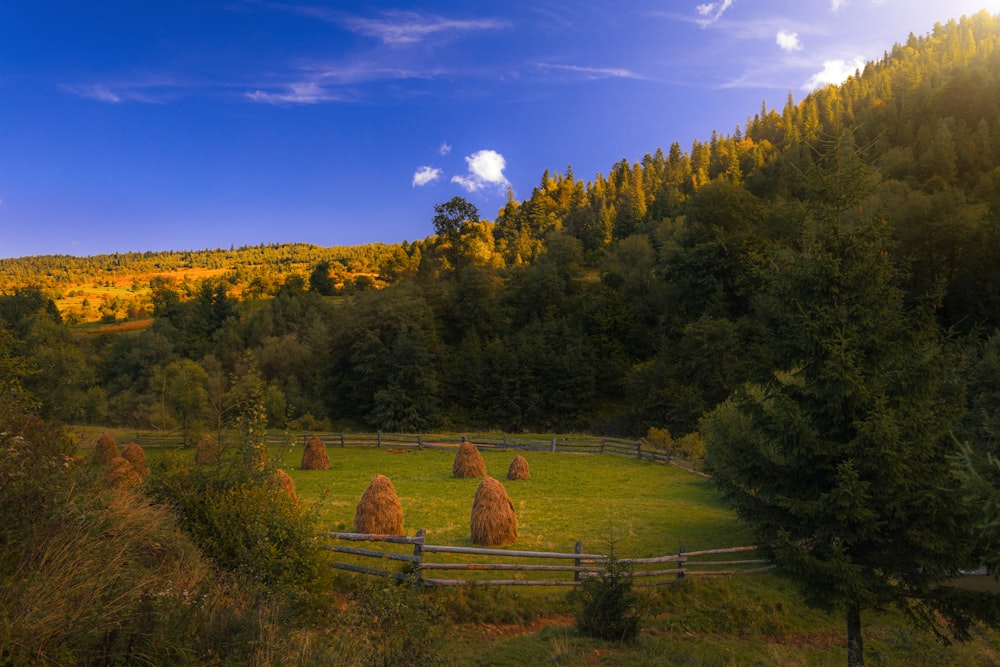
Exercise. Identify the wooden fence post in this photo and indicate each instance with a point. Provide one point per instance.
(420, 441)
(378, 435)
(602, 443)
(638, 450)
(553, 445)
(680, 562)
(576, 561)
(418, 552)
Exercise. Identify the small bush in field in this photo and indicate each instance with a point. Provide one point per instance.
(609, 605)
(690, 447)
(659, 438)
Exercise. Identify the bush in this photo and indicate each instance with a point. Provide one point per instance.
(241, 519)
(658, 438)
(609, 605)
(393, 625)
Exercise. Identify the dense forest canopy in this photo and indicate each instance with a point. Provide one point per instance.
(613, 305)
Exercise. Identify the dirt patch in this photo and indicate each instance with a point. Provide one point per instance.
(494, 631)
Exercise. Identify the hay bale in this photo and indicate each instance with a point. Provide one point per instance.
(105, 450)
(314, 456)
(518, 469)
(468, 462)
(379, 511)
(282, 479)
(207, 453)
(134, 454)
(121, 472)
(493, 522)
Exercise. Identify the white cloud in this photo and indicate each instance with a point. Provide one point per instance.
(445, 148)
(485, 169)
(400, 27)
(712, 12)
(835, 72)
(95, 92)
(306, 92)
(837, 5)
(425, 175)
(789, 41)
(594, 72)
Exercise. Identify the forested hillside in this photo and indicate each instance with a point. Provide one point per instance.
(634, 300)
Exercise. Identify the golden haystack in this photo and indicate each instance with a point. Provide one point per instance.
(135, 455)
(468, 462)
(105, 450)
(518, 469)
(379, 511)
(207, 452)
(493, 522)
(283, 480)
(121, 472)
(314, 456)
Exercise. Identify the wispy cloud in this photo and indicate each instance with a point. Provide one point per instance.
(400, 27)
(485, 170)
(837, 5)
(332, 82)
(594, 72)
(303, 92)
(789, 41)
(834, 72)
(425, 175)
(152, 89)
(711, 12)
(444, 149)
(96, 92)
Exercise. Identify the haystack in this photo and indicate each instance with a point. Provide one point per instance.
(314, 456)
(518, 469)
(135, 455)
(493, 523)
(379, 511)
(207, 452)
(105, 450)
(468, 462)
(121, 472)
(283, 480)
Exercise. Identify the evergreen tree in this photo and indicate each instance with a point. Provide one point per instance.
(841, 462)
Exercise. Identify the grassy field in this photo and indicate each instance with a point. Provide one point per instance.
(650, 509)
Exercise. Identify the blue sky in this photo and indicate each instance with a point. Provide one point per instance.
(174, 125)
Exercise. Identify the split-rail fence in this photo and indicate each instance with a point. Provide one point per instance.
(575, 444)
(419, 563)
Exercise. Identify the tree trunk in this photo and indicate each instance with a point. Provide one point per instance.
(855, 642)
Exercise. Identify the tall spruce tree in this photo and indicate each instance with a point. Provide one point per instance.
(841, 462)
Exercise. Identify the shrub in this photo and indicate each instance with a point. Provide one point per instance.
(690, 447)
(609, 604)
(659, 438)
(241, 519)
(395, 624)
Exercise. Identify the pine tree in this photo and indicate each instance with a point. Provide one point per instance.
(841, 462)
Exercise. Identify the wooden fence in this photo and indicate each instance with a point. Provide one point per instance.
(504, 442)
(419, 561)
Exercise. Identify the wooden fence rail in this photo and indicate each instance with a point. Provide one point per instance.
(565, 444)
(581, 565)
